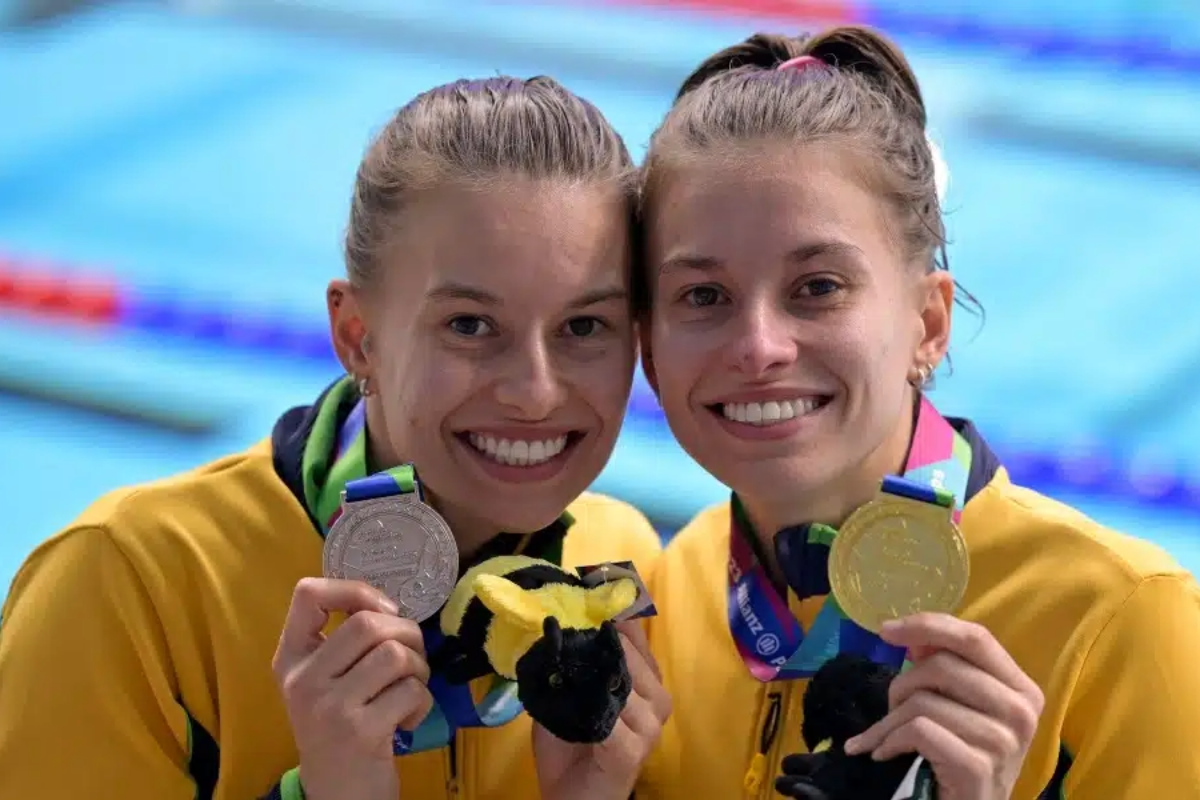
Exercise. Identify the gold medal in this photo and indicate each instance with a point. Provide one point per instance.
(896, 556)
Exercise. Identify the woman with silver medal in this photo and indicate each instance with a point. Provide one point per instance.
(486, 329)
(487, 323)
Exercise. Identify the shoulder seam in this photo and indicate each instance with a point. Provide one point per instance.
(1135, 576)
(121, 498)
(1159, 576)
(143, 589)
(1087, 654)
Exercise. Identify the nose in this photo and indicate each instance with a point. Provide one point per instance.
(763, 342)
(530, 385)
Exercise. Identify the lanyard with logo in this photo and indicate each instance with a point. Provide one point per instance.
(335, 459)
(768, 638)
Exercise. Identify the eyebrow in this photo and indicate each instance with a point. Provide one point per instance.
(798, 255)
(462, 291)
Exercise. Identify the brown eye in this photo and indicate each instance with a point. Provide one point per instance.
(584, 327)
(555, 680)
(702, 296)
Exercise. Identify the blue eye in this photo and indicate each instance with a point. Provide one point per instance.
(470, 326)
(702, 296)
(819, 287)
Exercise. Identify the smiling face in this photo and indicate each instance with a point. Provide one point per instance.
(786, 325)
(501, 348)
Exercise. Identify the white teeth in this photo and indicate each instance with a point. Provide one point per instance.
(518, 452)
(770, 413)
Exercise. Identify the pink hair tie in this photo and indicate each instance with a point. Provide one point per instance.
(800, 63)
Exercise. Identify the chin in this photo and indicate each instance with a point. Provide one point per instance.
(779, 477)
(527, 520)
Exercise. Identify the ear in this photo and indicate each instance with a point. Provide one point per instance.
(609, 599)
(348, 328)
(509, 602)
(936, 301)
(552, 632)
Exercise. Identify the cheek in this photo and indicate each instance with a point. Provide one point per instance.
(871, 360)
(680, 355)
(423, 385)
(860, 348)
(605, 382)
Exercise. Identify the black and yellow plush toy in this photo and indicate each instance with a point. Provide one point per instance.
(549, 630)
(845, 697)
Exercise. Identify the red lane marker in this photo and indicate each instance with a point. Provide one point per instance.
(40, 290)
(817, 11)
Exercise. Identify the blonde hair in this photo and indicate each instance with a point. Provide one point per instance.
(477, 131)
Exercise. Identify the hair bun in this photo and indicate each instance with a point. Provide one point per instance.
(762, 51)
(866, 52)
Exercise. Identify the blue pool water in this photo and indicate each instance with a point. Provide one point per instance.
(200, 156)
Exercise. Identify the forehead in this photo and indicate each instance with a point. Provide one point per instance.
(519, 239)
(764, 202)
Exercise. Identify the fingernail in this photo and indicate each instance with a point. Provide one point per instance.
(389, 605)
(852, 746)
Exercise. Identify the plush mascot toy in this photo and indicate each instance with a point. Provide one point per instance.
(845, 697)
(549, 630)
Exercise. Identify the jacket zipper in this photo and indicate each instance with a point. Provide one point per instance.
(753, 781)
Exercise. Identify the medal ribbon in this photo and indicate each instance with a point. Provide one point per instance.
(768, 638)
(333, 463)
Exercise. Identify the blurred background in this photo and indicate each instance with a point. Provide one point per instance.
(175, 177)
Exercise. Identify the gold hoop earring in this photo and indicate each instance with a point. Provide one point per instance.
(924, 379)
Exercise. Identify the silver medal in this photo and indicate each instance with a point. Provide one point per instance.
(400, 546)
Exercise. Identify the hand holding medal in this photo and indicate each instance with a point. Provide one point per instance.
(965, 706)
(346, 693)
(899, 568)
(390, 561)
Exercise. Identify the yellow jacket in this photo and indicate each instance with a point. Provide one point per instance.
(1107, 625)
(136, 646)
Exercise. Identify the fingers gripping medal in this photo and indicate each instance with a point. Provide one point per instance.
(389, 537)
(899, 554)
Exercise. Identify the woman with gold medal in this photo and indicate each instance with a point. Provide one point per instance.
(799, 305)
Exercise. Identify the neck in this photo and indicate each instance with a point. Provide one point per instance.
(831, 503)
(470, 532)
